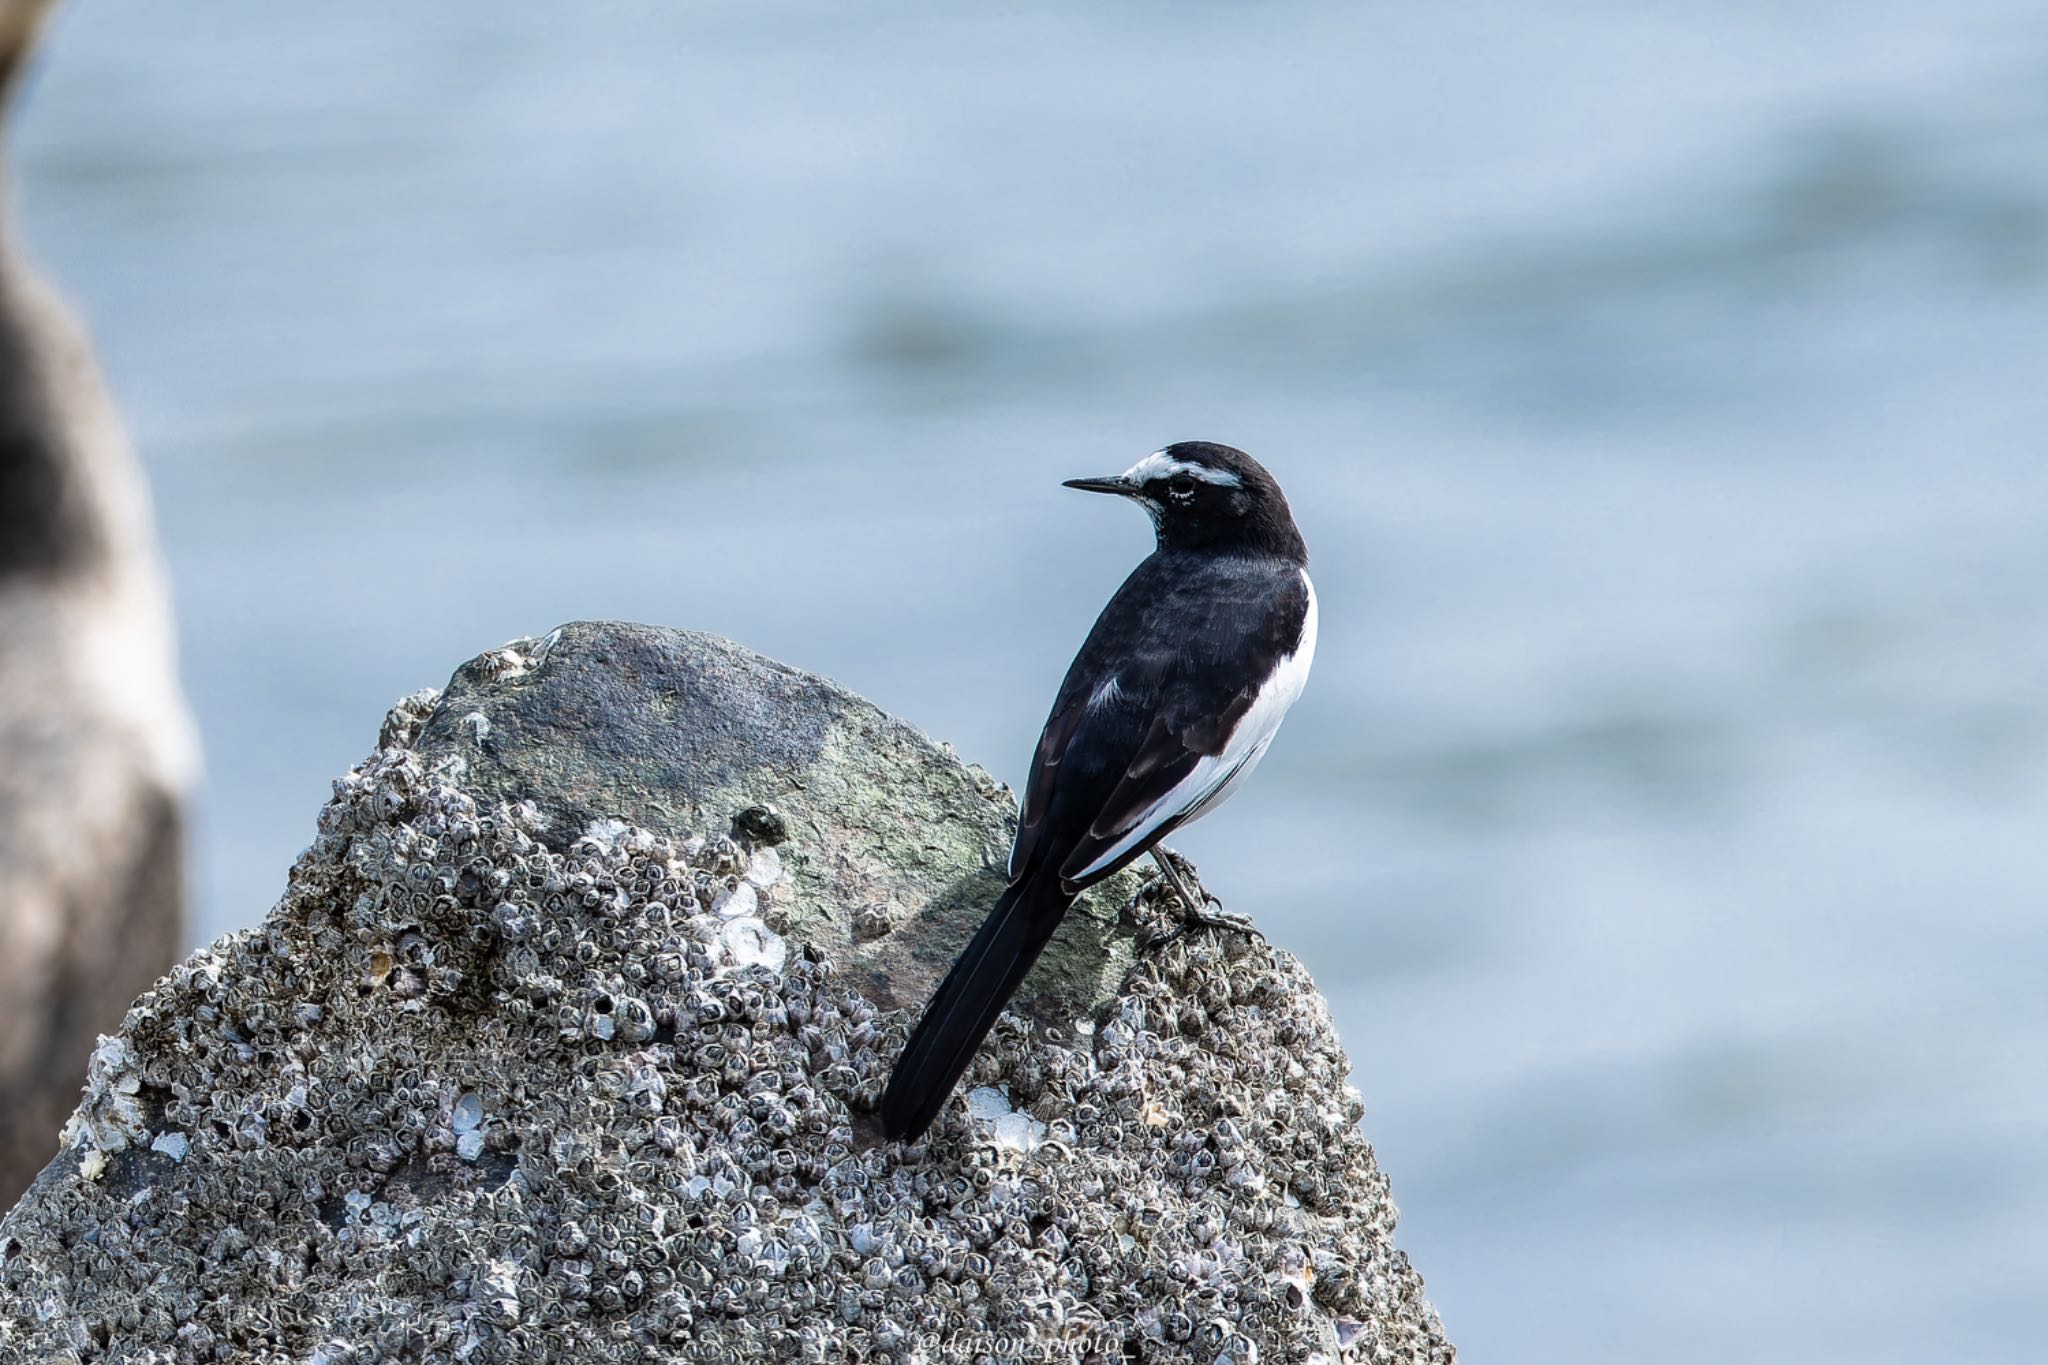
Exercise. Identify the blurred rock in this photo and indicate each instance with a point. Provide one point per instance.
(535, 1062)
(96, 749)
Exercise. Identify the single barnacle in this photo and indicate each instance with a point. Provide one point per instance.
(874, 920)
(761, 824)
(634, 1018)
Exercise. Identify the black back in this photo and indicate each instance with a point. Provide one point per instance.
(1190, 639)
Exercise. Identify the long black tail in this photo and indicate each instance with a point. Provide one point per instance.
(965, 1006)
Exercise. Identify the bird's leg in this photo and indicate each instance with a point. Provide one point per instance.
(1172, 875)
(1195, 910)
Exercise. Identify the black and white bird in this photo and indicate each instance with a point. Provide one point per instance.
(1165, 711)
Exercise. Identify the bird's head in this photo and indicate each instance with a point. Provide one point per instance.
(1204, 496)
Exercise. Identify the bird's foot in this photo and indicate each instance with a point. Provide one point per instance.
(1197, 911)
(1212, 915)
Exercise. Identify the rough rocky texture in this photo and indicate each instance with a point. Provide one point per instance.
(505, 1077)
(95, 746)
(875, 825)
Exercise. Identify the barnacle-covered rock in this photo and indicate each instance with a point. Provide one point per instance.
(544, 1056)
(763, 775)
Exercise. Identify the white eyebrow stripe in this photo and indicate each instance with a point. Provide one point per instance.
(1160, 465)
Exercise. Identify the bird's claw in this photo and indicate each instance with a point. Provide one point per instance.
(1219, 918)
(1196, 910)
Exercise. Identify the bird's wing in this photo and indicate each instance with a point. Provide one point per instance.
(1180, 765)
(1113, 776)
(1067, 715)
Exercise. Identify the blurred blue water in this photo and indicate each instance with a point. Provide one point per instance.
(1661, 392)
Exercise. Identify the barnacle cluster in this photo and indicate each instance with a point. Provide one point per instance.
(482, 1091)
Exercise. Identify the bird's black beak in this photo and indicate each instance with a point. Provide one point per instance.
(1119, 485)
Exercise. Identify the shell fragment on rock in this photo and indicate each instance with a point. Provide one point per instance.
(1009, 1130)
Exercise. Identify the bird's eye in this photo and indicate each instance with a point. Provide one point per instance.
(1181, 485)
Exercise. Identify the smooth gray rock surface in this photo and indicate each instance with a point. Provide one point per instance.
(534, 1062)
(96, 750)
